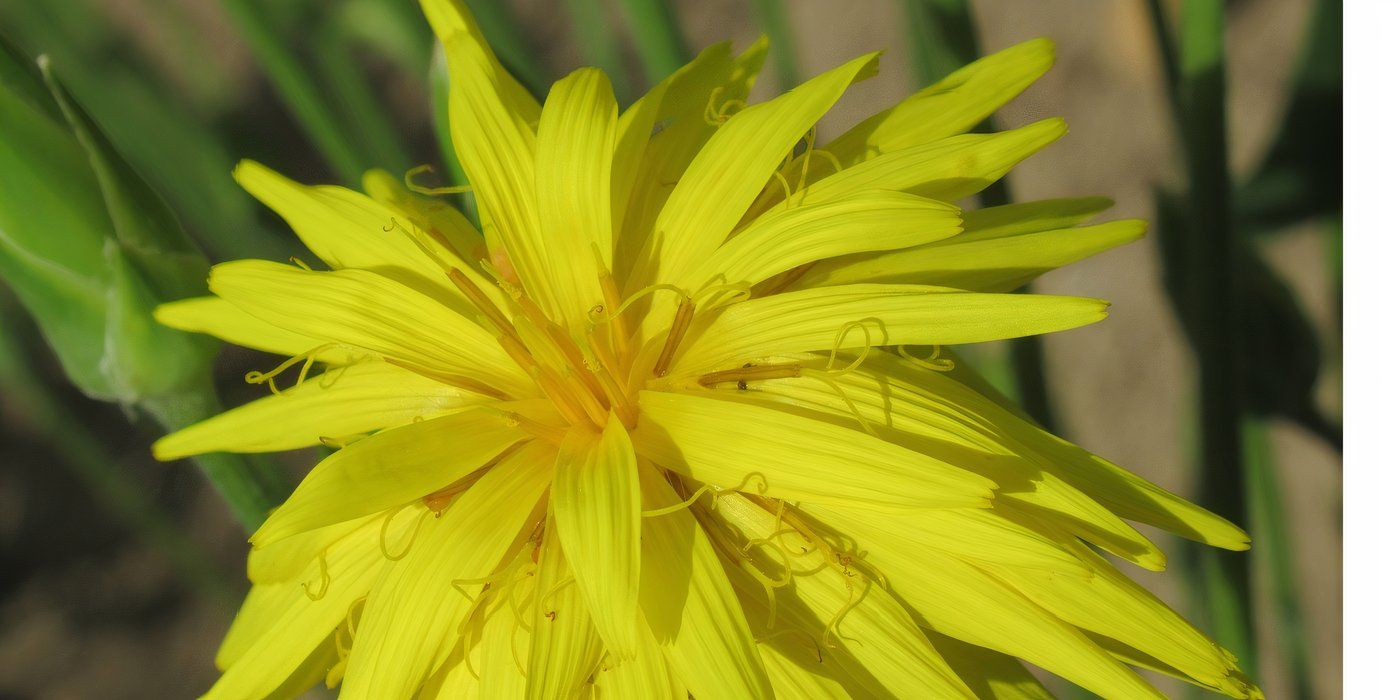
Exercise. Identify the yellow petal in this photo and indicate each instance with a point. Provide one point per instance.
(285, 559)
(1124, 493)
(1110, 604)
(851, 614)
(983, 264)
(992, 676)
(815, 319)
(391, 659)
(455, 681)
(643, 676)
(343, 402)
(347, 229)
(1031, 217)
(948, 169)
(947, 108)
(634, 132)
(365, 310)
(447, 224)
(886, 391)
(505, 647)
(961, 601)
(872, 222)
(572, 179)
(225, 321)
(679, 129)
(280, 625)
(491, 119)
(976, 534)
(733, 167)
(564, 646)
(950, 106)
(732, 445)
(690, 605)
(442, 232)
(597, 510)
(389, 469)
(798, 677)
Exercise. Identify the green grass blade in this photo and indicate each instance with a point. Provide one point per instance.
(298, 89)
(657, 36)
(1275, 554)
(360, 109)
(773, 17)
(506, 39)
(600, 46)
(1209, 251)
(943, 37)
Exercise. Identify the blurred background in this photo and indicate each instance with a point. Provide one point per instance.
(1216, 375)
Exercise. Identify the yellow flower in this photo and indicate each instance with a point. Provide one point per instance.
(670, 424)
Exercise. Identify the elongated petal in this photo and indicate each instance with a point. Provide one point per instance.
(849, 612)
(816, 319)
(441, 232)
(876, 221)
(577, 135)
(992, 676)
(883, 392)
(1124, 493)
(961, 601)
(948, 169)
(505, 645)
(798, 674)
(683, 124)
(347, 229)
(950, 106)
(491, 117)
(690, 605)
(1110, 604)
(981, 264)
(391, 659)
(285, 559)
(598, 511)
(642, 676)
(280, 625)
(224, 320)
(564, 645)
(446, 224)
(785, 456)
(390, 468)
(1031, 217)
(634, 132)
(365, 310)
(733, 167)
(976, 534)
(343, 402)
(455, 681)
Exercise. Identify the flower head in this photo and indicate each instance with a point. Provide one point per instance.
(676, 421)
